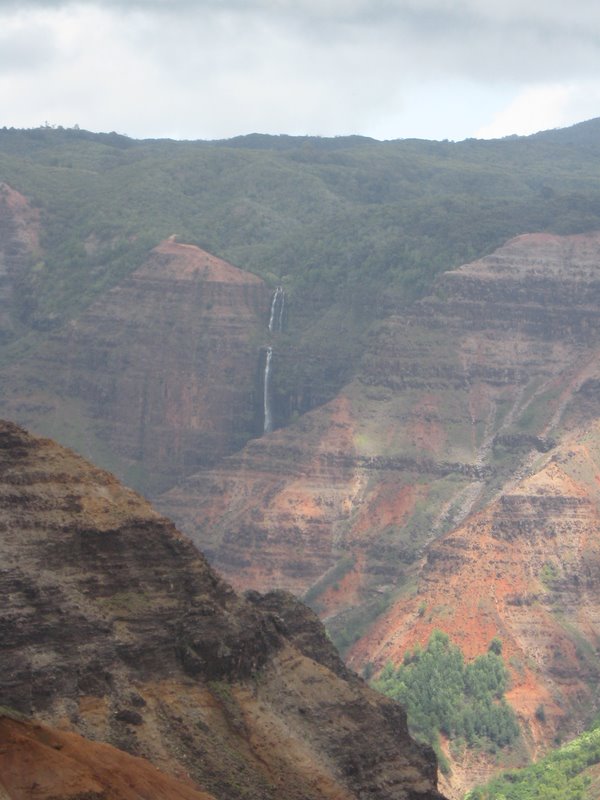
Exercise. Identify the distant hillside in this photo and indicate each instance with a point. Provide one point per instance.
(584, 133)
(349, 226)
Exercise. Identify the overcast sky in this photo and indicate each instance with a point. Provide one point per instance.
(205, 69)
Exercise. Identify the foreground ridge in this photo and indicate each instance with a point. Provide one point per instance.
(115, 627)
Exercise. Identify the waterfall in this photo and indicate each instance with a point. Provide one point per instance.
(276, 321)
(277, 311)
(268, 421)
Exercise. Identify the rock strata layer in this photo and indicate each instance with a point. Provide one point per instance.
(453, 397)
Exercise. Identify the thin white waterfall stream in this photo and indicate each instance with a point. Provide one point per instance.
(268, 421)
(276, 321)
(281, 310)
(277, 311)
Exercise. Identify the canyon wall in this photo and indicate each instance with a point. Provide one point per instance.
(452, 484)
(160, 375)
(452, 397)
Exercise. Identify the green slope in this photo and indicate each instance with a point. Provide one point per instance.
(569, 773)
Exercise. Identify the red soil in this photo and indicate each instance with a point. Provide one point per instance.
(45, 764)
(187, 260)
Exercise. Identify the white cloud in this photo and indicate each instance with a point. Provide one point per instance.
(537, 108)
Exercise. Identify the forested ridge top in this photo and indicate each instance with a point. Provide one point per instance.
(307, 209)
(348, 225)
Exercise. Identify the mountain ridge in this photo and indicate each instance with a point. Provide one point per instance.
(115, 627)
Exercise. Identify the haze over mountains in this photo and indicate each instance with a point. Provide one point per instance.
(432, 376)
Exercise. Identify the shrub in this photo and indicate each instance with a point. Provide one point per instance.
(443, 694)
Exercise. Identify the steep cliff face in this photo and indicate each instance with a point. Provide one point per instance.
(159, 376)
(452, 398)
(113, 626)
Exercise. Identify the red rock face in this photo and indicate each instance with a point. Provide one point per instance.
(37, 761)
(267, 513)
(164, 366)
(451, 397)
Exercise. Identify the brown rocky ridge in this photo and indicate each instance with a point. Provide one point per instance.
(114, 627)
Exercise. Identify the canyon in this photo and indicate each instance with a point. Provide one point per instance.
(403, 447)
(452, 485)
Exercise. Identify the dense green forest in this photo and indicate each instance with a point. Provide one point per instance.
(350, 226)
(564, 774)
(444, 695)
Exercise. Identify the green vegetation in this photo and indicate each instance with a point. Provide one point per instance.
(559, 776)
(443, 694)
(549, 574)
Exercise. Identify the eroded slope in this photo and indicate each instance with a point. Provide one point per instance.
(525, 570)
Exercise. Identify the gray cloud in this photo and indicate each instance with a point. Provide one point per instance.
(220, 67)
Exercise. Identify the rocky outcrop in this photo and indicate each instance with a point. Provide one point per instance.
(114, 626)
(160, 375)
